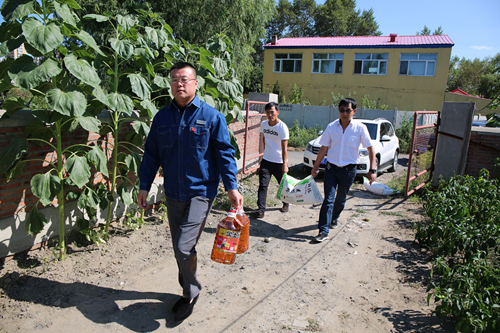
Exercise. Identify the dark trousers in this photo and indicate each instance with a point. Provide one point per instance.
(187, 220)
(337, 183)
(267, 170)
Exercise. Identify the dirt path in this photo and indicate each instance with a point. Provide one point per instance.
(367, 278)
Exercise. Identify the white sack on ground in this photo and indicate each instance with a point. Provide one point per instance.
(378, 188)
(299, 192)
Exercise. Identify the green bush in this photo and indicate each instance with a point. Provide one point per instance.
(300, 136)
(463, 233)
(404, 134)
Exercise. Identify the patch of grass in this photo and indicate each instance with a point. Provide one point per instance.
(313, 326)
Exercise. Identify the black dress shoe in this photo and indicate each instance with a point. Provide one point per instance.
(258, 215)
(179, 302)
(185, 309)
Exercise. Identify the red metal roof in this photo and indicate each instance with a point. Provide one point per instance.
(459, 91)
(363, 42)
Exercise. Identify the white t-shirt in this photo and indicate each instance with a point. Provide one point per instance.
(343, 147)
(273, 136)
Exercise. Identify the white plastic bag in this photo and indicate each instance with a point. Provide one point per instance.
(299, 192)
(378, 188)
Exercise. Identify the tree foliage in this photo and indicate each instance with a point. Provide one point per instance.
(476, 77)
(196, 21)
(304, 18)
(427, 31)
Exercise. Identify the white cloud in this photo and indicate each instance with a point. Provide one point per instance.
(489, 48)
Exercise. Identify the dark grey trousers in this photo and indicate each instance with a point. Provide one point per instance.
(187, 220)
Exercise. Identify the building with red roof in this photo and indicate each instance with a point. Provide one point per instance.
(404, 72)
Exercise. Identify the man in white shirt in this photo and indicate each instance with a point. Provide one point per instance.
(340, 143)
(274, 162)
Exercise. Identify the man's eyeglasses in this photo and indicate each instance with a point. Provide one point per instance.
(182, 79)
(345, 110)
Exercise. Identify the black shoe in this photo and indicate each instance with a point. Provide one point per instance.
(258, 215)
(185, 309)
(180, 302)
(334, 224)
(284, 209)
(321, 237)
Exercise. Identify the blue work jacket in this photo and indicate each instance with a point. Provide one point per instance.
(194, 151)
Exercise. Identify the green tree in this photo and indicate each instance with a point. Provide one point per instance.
(427, 31)
(340, 18)
(196, 21)
(475, 77)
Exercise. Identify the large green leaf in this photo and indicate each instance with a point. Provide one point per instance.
(124, 48)
(100, 95)
(9, 6)
(46, 186)
(44, 38)
(158, 36)
(139, 85)
(90, 124)
(38, 129)
(88, 199)
(120, 103)
(16, 172)
(140, 127)
(127, 22)
(5, 84)
(66, 13)
(35, 222)
(13, 105)
(97, 157)
(12, 153)
(221, 67)
(124, 194)
(90, 41)
(71, 103)
(98, 18)
(26, 74)
(150, 107)
(5, 66)
(78, 169)
(72, 3)
(232, 90)
(82, 70)
(133, 162)
(23, 10)
(161, 82)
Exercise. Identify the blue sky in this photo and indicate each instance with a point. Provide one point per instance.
(474, 26)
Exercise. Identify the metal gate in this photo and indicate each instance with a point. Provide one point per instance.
(422, 150)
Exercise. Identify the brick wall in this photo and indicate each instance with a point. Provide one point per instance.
(484, 148)
(16, 198)
(16, 195)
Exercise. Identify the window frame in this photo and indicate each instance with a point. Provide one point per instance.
(380, 62)
(426, 61)
(330, 57)
(288, 58)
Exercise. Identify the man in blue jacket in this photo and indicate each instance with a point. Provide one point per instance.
(189, 139)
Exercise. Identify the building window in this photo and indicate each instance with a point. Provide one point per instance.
(328, 63)
(370, 63)
(287, 62)
(418, 64)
